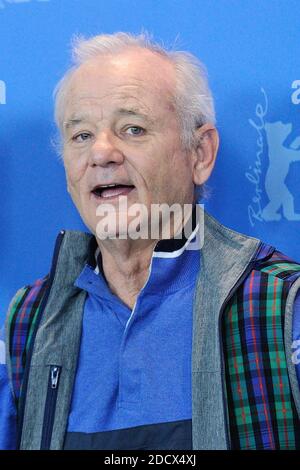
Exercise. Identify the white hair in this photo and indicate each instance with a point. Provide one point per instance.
(192, 97)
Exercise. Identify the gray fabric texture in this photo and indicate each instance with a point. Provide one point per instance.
(57, 343)
(224, 257)
(288, 339)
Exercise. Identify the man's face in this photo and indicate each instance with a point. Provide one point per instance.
(120, 127)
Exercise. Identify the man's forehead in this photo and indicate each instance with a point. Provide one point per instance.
(79, 116)
(101, 87)
(134, 68)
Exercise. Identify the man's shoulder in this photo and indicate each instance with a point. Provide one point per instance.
(213, 225)
(279, 265)
(25, 303)
(28, 292)
(20, 320)
(271, 259)
(272, 277)
(259, 259)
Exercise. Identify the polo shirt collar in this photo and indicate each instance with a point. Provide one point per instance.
(164, 248)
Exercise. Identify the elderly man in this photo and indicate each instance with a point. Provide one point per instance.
(155, 341)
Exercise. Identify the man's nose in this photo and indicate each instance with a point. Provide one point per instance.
(105, 150)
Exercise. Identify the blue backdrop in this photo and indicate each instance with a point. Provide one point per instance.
(251, 50)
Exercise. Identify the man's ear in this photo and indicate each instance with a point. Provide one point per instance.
(205, 152)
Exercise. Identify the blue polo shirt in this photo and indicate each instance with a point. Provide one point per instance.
(133, 383)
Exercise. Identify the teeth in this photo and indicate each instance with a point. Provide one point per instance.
(105, 186)
(109, 185)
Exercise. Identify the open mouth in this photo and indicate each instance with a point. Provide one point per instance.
(106, 191)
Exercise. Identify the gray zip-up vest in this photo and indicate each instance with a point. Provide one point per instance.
(225, 257)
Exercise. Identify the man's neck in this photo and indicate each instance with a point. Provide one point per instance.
(126, 267)
(126, 262)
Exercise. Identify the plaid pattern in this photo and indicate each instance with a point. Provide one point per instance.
(262, 413)
(22, 316)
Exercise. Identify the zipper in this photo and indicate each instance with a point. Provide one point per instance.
(50, 406)
(21, 410)
(245, 273)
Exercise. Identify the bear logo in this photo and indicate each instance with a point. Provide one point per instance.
(280, 159)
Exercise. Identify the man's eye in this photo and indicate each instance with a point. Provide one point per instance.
(135, 130)
(81, 137)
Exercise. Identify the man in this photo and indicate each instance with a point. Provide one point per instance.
(141, 342)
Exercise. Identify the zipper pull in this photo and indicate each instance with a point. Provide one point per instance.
(55, 371)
